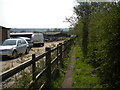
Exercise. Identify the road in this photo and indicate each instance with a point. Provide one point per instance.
(7, 63)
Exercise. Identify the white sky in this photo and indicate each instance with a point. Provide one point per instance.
(35, 13)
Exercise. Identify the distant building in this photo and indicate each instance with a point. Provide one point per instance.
(52, 35)
(4, 33)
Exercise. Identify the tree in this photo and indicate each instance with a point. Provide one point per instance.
(102, 21)
(83, 10)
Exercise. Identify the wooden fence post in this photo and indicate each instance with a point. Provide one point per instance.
(57, 62)
(68, 45)
(48, 65)
(61, 59)
(57, 56)
(33, 70)
(65, 49)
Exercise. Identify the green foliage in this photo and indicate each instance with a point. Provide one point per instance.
(78, 31)
(103, 47)
(59, 80)
(104, 42)
(83, 11)
(84, 74)
(23, 81)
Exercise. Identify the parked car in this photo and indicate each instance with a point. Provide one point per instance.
(14, 47)
(37, 38)
(28, 40)
(46, 39)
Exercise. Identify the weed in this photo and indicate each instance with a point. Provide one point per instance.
(23, 80)
(5, 69)
(53, 45)
(84, 74)
(59, 80)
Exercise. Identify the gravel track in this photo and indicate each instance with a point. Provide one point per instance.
(7, 63)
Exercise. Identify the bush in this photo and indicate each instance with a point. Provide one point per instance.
(104, 43)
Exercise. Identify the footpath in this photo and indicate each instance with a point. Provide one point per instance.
(68, 80)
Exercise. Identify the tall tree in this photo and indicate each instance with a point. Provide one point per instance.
(83, 10)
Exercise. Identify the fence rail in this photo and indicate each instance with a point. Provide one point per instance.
(61, 51)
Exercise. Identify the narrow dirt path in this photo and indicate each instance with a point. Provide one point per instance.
(68, 80)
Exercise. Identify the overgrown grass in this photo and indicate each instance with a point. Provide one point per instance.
(84, 74)
(57, 83)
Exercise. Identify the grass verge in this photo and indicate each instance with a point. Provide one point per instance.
(59, 80)
(84, 74)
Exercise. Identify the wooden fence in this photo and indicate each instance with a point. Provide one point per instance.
(59, 52)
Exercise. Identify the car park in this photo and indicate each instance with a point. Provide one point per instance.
(13, 47)
(36, 38)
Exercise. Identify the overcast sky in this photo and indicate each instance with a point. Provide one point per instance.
(35, 13)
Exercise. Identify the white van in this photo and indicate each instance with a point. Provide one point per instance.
(36, 38)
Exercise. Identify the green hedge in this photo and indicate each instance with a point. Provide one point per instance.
(104, 44)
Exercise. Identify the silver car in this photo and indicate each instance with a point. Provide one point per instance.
(13, 47)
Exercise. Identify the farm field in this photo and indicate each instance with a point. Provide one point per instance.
(7, 63)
